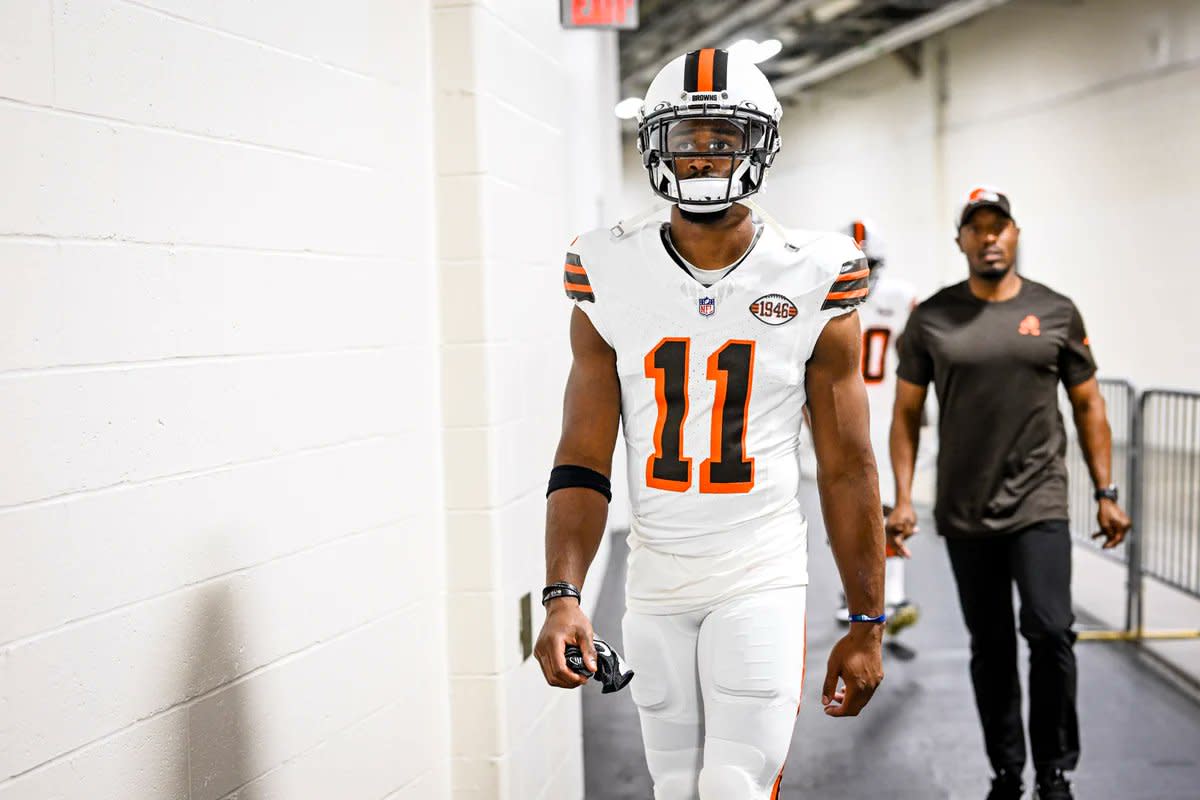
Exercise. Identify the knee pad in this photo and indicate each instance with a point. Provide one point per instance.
(675, 773)
(735, 770)
(676, 786)
(725, 782)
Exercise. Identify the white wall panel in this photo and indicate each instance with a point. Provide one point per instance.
(148, 760)
(26, 51)
(114, 59)
(73, 176)
(515, 155)
(381, 38)
(101, 302)
(150, 421)
(221, 513)
(60, 557)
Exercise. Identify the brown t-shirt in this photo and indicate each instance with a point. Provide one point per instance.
(996, 368)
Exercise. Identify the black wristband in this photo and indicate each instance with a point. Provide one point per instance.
(566, 476)
(560, 589)
(1107, 493)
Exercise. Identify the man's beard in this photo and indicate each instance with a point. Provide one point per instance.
(703, 219)
(991, 274)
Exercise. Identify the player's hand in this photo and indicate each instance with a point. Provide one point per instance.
(857, 661)
(899, 526)
(1114, 524)
(565, 624)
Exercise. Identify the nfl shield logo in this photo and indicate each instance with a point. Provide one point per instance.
(708, 306)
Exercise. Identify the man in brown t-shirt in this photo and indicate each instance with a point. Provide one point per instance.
(995, 347)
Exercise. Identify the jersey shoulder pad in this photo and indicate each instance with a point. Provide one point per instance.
(840, 258)
(594, 259)
(576, 281)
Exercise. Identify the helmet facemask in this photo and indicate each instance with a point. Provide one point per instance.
(705, 157)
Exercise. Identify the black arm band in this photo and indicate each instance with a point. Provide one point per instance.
(560, 589)
(566, 476)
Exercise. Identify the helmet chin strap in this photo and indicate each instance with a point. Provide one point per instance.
(705, 209)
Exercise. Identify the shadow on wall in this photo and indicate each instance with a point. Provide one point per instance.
(220, 725)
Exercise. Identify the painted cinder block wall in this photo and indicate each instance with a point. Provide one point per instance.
(220, 530)
(279, 389)
(527, 157)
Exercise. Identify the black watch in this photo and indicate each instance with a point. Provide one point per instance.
(1107, 493)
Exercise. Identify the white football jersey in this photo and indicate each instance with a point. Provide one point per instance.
(712, 378)
(883, 317)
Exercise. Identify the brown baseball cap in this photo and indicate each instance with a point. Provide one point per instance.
(982, 197)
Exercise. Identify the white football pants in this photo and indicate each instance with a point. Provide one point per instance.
(893, 581)
(717, 691)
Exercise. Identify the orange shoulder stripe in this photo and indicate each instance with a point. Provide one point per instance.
(847, 295)
(852, 276)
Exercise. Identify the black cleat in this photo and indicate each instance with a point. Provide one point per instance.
(901, 615)
(1053, 785)
(1007, 786)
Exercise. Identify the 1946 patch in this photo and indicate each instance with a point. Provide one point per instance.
(773, 309)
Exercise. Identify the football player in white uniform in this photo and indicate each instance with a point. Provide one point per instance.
(705, 336)
(883, 317)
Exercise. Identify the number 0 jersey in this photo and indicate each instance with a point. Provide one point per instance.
(883, 318)
(712, 377)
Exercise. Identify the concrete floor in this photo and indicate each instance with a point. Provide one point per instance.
(919, 739)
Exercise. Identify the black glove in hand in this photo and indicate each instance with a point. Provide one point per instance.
(608, 666)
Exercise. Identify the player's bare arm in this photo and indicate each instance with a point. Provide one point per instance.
(849, 488)
(576, 516)
(1095, 438)
(903, 442)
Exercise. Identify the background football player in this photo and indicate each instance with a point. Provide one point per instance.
(705, 336)
(883, 317)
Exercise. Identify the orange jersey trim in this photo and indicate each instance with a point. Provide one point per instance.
(847, 295)
(577, 287)
(853, 276)
(569, 267)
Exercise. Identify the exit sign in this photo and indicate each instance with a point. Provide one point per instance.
(621, 14)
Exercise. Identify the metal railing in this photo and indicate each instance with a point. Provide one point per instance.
(1167, 508)
(1156, 462)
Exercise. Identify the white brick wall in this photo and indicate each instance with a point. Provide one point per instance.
(220, 495)
(519, 172)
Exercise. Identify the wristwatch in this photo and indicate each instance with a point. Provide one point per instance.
(1107, 493)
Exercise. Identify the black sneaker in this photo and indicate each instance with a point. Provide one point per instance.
(1053, 785)
(1007, 786)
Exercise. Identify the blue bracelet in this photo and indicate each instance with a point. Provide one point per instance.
(865, 618)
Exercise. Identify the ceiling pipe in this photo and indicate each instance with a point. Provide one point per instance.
(921, 28)
(712, 36)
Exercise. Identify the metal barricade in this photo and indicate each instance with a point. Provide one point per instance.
(1166, 507)
(1120, 399)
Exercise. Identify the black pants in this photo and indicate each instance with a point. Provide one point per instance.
(1038, 559)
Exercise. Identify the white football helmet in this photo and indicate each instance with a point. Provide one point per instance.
(869, 238)
(708, 130)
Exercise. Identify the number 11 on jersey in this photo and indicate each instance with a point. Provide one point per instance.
(727, 470)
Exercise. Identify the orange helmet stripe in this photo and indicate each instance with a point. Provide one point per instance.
(704, 77)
